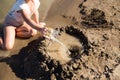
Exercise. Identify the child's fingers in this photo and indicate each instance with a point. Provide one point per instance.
(42, 23)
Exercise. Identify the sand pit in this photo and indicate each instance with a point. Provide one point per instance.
(68, 43)
(53, 59)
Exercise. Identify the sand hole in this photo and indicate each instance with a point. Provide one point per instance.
(59, 52)
(73, 39)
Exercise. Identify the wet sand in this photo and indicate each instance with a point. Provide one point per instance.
(90, 29)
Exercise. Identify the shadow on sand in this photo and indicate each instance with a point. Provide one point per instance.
(16, 62)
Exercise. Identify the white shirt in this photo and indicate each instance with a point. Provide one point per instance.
(19, 5)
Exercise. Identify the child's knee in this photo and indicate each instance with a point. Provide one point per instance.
(8, 46)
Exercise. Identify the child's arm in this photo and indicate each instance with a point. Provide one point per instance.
(31, 22)
(36, 16)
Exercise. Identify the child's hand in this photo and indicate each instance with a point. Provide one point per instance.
(42, 24)
(43, 28)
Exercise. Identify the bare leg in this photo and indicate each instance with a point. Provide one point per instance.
(1, 42)
(9, 38)
(1, 35)
(25, 31)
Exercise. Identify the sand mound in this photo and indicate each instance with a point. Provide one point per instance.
(44, 62)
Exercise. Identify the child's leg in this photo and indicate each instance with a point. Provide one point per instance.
(25, 31)
(9, 37)
(1, 42)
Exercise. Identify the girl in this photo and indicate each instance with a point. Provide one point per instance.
(21, 21)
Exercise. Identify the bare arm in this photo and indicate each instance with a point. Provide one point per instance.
(29, 21)
(36, 16)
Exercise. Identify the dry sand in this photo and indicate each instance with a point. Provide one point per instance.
(90, 29)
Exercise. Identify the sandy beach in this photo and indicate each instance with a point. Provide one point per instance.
(89, 48)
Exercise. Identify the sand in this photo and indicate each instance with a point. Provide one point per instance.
(90, 29)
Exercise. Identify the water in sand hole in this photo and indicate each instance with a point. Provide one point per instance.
(59, 48)
(63, 45)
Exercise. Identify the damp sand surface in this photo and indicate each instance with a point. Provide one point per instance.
(90, 33)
